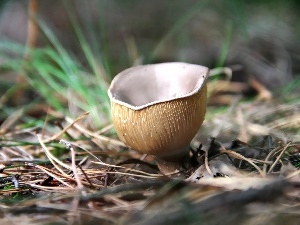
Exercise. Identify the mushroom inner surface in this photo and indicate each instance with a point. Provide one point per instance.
(141, 86)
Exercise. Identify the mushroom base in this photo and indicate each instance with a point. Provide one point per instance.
(167, 167)
(171, 164)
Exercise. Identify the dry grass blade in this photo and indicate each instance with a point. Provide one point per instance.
(50, 173)
(53, 159)
(51, 189)
(239, 156)
(147, 175)
(289, 121)
(293, 174)
(84, 149)
(13, 118)
(273, 152)
(95, 135)
(54, 137)
(206, 164)
(279, 157)
(104, 129)
(74, 168)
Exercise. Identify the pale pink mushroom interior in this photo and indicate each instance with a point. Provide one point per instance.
(141, 86)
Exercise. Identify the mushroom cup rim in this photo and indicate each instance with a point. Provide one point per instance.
(197, 88)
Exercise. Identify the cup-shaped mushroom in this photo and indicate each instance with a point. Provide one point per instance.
(157, 109)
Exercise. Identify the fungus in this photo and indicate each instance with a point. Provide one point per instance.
(157, 109)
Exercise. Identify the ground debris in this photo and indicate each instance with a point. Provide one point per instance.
(86, 180)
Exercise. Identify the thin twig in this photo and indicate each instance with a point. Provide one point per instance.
(268, 157)
(74, 168)
(239, 156)
(53, 175)
(52, 158)
(89, 152)
(206, 164)
(62, 175)
(295, 173)
(129, 169)
(45, 188)
(278, 157)
(104, 129)
(66, 128)
(95, 135)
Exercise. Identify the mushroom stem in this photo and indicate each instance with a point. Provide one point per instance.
(167, 167)
(172, 163)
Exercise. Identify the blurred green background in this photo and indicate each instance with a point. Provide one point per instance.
(81, 45)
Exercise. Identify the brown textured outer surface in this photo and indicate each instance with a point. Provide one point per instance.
(163, 129)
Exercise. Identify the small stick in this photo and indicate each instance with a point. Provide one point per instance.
(268, 157)
(95, 135)
(206, 164)
(52, 175)
(239, 156)
(52, 158)
(67, 127)
(74, 168)
(278, 157)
